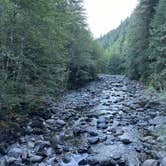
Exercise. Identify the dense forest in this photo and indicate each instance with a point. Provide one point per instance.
(138, 46)
(45, 48)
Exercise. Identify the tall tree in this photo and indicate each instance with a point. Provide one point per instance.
(157, 48)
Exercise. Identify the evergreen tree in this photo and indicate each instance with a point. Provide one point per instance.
(44, 47)
(157, 48)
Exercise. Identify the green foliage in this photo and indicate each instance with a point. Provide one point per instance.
(114, 43)
(138, 46)
(44, 48)
(157, 47)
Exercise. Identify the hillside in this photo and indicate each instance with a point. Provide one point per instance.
(137, 46)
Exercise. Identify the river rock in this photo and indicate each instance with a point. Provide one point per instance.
(15, 152)
(93, 133)
(60, 122)
(93, 140)
(3, 162)
(101, 126)
(50, 121)
(40, 145)
(150, 162)
(101, 119)
(36, 158)
(163, 162)
(10, 160)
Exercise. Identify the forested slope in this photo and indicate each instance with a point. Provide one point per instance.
(45, 47)
(138, 46)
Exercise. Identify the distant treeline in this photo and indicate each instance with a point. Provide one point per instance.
(138, 46)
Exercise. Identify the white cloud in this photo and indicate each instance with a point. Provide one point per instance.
(105, 15)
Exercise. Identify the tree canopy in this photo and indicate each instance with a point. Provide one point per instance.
(45, 47)
(137, 46)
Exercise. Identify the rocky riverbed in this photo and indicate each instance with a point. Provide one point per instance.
(109, 122)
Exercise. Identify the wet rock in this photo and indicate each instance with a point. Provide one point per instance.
(116, 156)
(93, 133)
(83, 148)
(55, 140)
(122, 161)
(102, 125)
(129, 136)
(42, 164)
(40, 145)
(92, 162)
(150, 162)
(103, 138)
(52, 161)
(126, 140)
(10, 160)
(163, 162)
(31, 144)
(3, 150)
(93, 140)
(101, 120)
(24, 155)
(2, 162)
(60, 122)
(67, 148)
(161, 154)
(15, 152)
(77, 131)
(83, 162)
(36, 158)
(50, 121)
(66, 159)
(58, 149)
(37, 123)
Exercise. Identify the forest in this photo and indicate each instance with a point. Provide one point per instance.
(45, 48)
(137, 47)
(68, 99)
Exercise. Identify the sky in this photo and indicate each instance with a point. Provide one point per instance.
(106, 15)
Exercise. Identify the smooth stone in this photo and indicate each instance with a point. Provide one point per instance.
(55, 140)
(15, 152)
(83, 162)
(51, 121)
(101, 120)
(102, 126)
(60, 122)
(52, 161)
(93, 133)
(93, 140)
(126, 139)
(2, 162)
(150, 162)
(42, 164)
(163, 162)
(103, 138)
(2, 149)
(10, 160)
(66, 159)
(36, 158)
(40, 145)
(24, 155)
(77, 131)
(31, 144)
(84, 148)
